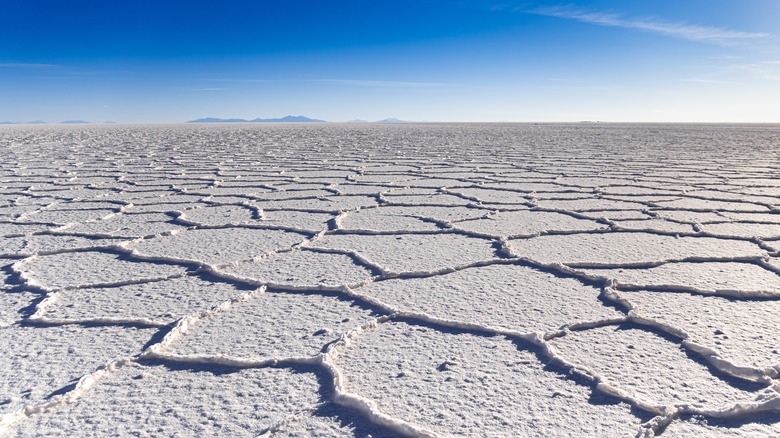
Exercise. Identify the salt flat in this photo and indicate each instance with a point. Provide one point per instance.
(390, 280)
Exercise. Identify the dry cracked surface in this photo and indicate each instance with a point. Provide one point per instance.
(390, 280)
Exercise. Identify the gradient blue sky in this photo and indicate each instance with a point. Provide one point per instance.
(460, 60)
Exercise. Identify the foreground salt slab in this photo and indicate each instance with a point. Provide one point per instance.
(744, 332)
(649, 368)
(273, 325)
(466, 385)
(39, 361)
(509, 297)
(165, 401)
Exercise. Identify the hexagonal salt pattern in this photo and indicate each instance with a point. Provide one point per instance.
(389, 280)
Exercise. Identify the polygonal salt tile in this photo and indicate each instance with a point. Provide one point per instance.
(615, 214)
(384, 219)
(10, 229)
(361, 189)
(51, 243)
(637, 190)
(126, 225)
(74, 207)
(63, 217)
(219, 215)
(627, 248)
(217, 246)
(591, 181)
(758, 217)
(432, 199)
(465, 385)
(163, 208)
(158, 301)
(711, 277)
(743, 332)
(176, 401)
(505, 296)
(273, 325)
(493, 195)
(700, 217)
(437, 182)
(229, 191)
(706, 204)
(38, 361)
(413, 252)
(533, 186)
(68, 270)
(654, 225)
(764, 231)
(330, 421)
(303, 268)
(648, 368)
(767, 425)
(299, 220)
(589, 204)
(12, 246)
(11, 212)
(439, 213)
(292, 194)
(331, 203)
(527, 223)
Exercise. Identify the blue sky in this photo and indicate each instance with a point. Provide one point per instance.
(459, 60)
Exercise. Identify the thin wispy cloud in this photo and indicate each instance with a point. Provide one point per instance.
(384, 84)
(27, 65)
(243, 81)
(762, 70)
(686, 31)
(710, 81)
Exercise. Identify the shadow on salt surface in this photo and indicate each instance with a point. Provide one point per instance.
(16, 301)
(746, 426)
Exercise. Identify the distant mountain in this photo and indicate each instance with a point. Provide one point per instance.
(36, 122)
(285, 119)
(215, 120)
(358, 121)
(74, 122)
(288, 119)
(7, 123)
(391, 120)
